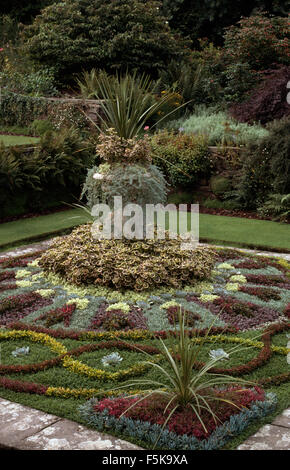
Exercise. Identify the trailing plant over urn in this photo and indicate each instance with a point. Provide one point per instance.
(135, 183)
(127, 172)
(126, 106)
(114, 149)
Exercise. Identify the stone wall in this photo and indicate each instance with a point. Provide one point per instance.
(90, 107)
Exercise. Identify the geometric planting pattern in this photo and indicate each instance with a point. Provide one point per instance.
(69, 330)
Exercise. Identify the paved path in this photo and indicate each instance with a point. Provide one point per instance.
(25, 428)
(38, 246)
(255, 252)
(275, 436)
(26, 249)
(29, 429)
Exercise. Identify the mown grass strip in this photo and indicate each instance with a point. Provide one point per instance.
(10, 140)
(221, 230)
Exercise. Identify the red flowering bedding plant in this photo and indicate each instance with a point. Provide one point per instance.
(262, 293)
(113, 320)
(184, 420)
(80, 327)
(17, 307)
(244, 314)
(274, 280)
(173, 313)
(58, 315)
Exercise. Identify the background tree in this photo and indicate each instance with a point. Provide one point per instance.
(120, 35)
(208, 18)
(23, 10)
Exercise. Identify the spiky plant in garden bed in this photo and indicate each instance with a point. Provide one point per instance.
(126, 102)
(188, 402)
(125, 172)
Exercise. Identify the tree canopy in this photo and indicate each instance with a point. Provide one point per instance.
(110, 35)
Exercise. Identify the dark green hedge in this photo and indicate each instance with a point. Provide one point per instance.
(21, 110)
(50, 174)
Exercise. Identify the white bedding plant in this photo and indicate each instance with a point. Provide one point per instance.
(112, 359)
(21, 351)
(179, 383)
(218, 354)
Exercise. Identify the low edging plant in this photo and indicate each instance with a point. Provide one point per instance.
(183, 409)
(120, 341)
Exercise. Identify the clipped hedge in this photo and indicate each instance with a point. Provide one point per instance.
(23, 110)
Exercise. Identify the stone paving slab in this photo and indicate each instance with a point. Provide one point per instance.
(21, 250)
(68, 435)
(269, 437)
(38, 246)
(25, 428)
(275, 436)
(19, 422)
(283, 419)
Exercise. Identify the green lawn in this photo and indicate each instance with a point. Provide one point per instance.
(9, 140)
(22, 230)
(241, 231)
(221, 230)
(238, 231)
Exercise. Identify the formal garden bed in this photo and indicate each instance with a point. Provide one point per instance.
(85, 340)
(129, 333)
